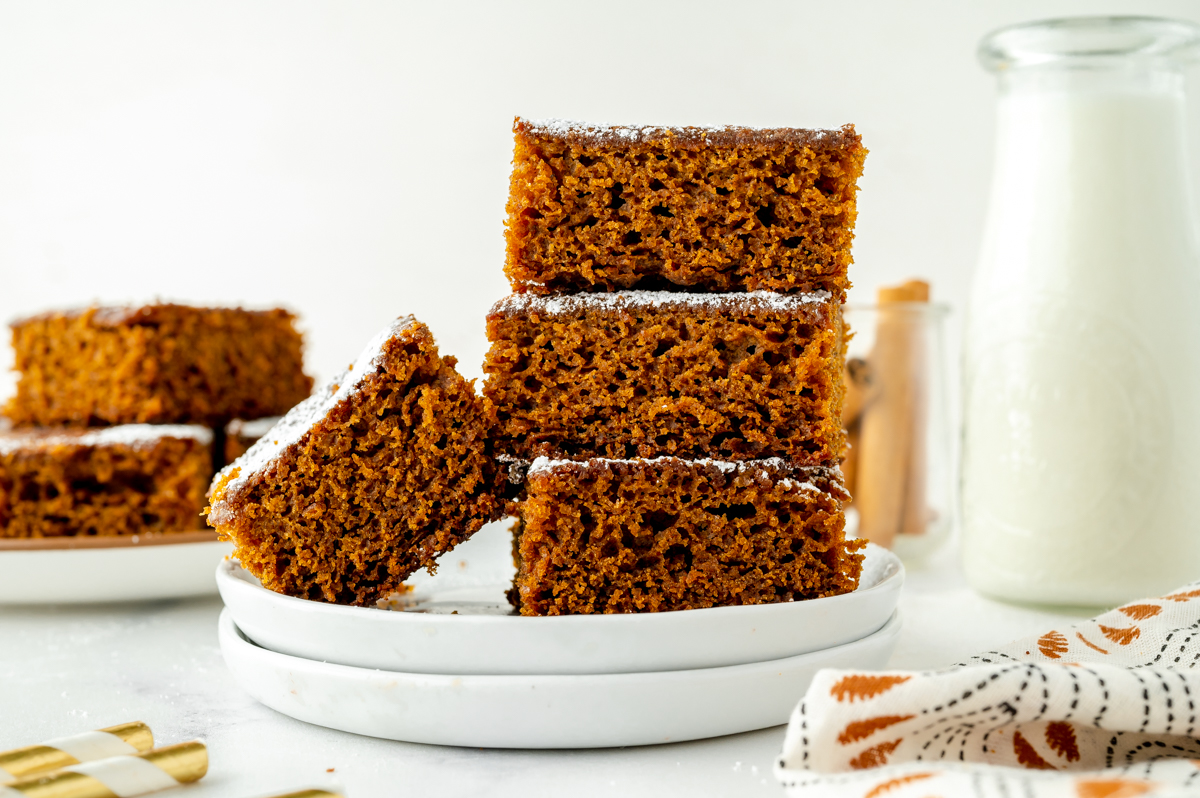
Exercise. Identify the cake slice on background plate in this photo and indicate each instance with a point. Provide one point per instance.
(367, 481)
(155, 364)
(132, 479)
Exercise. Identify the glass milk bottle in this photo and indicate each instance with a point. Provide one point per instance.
(1081, 443)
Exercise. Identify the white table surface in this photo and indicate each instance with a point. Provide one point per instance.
(69, 669)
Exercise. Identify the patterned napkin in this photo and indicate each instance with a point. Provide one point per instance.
(1106, 708)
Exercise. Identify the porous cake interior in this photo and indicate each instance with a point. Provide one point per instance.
(642, 536)
(596, 208)
(377, 488)
(726, 378)
(156, 364)
(103, 490)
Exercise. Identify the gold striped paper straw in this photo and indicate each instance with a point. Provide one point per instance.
(118, 776)
(128, 738)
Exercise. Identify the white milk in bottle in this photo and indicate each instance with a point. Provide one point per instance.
(1081, 448)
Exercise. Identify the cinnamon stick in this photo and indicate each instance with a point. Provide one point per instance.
(890, 479)
(859, 394)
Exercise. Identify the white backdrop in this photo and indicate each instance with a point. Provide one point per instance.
(349, 160)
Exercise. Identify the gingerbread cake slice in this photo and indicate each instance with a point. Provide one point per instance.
(161, 364)
(646, 374)
(648, 535)
(365, 482)
(595, 208)
(128, 480)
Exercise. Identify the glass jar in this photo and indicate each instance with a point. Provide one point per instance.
(898, 465)
(1081, 442)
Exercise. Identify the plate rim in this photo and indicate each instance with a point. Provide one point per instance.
(77, 542)
(226, 575)
(228, 626)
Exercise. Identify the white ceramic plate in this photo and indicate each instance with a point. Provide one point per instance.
(485, 638)
(90, 570)
(596, 711)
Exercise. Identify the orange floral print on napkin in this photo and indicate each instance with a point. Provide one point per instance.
(1090, 644)
(1060, 736)
(874, 756)
(864, 685)
(1121, 637)
(1140, 612)
(862, 729)
(1116, 698)
(1027, 755)
(1111, 788)
(1052, 645)
(891, 784)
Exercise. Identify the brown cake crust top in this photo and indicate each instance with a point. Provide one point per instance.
(112, 316)
(690, 137)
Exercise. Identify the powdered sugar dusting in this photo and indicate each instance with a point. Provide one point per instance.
(748, 301)
(791, 484)
(136, 436)
(570, 127)
(301, 418)
(727, 466)
(631, 134)
(546, 464)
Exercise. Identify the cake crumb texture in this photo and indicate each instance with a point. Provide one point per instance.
(365, 482)
(641, 374)
(126, 480)
(609, 536)
(159, 364)
(595, 208)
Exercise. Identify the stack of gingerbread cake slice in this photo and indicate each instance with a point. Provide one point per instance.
(666, 377)
(112, 428)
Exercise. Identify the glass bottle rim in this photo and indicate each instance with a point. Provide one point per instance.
(1091, 42)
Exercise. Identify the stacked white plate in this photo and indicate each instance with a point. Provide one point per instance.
(451, 664)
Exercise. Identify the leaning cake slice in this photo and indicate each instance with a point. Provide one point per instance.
(608, 536)
(366, 481)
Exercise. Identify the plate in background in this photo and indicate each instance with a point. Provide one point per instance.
(89, 570)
